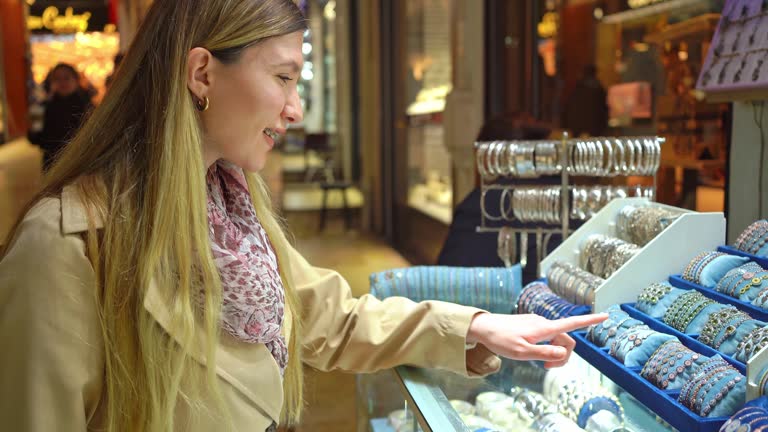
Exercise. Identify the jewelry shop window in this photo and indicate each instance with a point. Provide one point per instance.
(428, 58)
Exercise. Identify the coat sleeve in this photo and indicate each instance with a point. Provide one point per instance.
(51, 366)
(365, 334)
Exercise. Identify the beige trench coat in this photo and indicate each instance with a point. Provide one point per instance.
(52, 354)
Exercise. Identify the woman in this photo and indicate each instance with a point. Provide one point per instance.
(152, 235)
(64, 111)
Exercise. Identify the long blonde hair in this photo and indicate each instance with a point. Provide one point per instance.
(138, 164)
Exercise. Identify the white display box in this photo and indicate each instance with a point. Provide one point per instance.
(665, 255)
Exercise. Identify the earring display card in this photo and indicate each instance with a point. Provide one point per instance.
(735, 67)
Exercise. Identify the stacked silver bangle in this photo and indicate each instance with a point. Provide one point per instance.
(606, 157)
(640, 225)
(533, 204)
(572, 283)
(602, 157)
(587, 201)
(547, 158)
(603, 255)
(517, 158)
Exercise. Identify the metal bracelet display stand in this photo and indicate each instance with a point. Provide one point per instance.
(543, 233)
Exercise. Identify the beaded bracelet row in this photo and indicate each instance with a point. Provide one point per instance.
(750, 275)
(696, 395)
(747, 419)
(716, 321)
(671, 359)
(695, 268)
(685, 308)
(653, 293)
(599, 334)
(753, 238)
(538, 299)
(752, 343)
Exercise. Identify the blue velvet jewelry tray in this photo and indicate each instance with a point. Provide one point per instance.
(662, 402)
(755, 312)
(733, 251)
(689, 340)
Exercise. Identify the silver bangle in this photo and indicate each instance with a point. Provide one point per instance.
(503, 208)
(483, 209)
(591, 159)
(496, 158)
(512, 150)
(630, 153)
(638, 157)
(620, 159)
(649, 156)
(609, 162)
(489, 155)
(581, 158)
(482, 149)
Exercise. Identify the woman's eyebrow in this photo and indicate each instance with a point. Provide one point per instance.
(290, 63)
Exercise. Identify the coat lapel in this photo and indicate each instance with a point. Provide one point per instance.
(250, 368)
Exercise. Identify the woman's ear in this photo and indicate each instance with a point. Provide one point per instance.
(199, 71)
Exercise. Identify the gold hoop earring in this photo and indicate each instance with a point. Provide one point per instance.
(202, 104)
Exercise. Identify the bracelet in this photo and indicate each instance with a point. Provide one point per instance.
(750, 232)
(694, 312)
(751, 273)
(673, 315)
(740, 419)
(606, 328)
(714, 323)
(654, 292)
(730, 329)
(666, 374)
(629, 340)
(704, 369)
(752, 343)
(707, 407)
(693, 270)
(658, 364)
(757, 239)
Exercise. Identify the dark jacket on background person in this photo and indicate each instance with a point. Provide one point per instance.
(465, 247)
(63, 116)
(587, 110)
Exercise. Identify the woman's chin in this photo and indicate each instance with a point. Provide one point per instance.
(254, 164)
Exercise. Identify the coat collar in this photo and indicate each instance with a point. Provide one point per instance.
(250, 368)
(74, 218)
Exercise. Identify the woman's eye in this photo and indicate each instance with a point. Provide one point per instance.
(284, 78)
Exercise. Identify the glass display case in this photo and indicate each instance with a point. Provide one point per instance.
(522, 396)
(428, 81)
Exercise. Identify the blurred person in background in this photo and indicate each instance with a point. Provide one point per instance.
(67, 105)
(462, 235)
(586, 112)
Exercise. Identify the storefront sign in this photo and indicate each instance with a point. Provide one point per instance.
(67, 16)
(52, 19)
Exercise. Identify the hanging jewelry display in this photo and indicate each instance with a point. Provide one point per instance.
(551, 208)
(735, 66)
